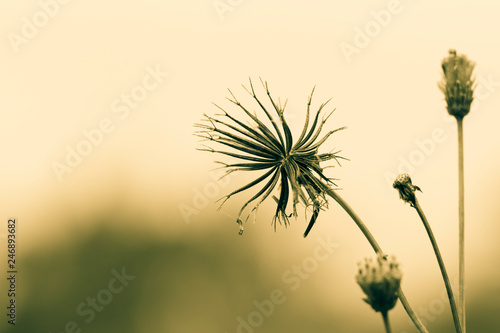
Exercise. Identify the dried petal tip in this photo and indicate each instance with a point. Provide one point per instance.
(380, 281)
(457, 83)
(406, 188)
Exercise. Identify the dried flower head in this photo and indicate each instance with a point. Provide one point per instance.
(380, 280)
(406, 189)
(293, 167)
(457, 83)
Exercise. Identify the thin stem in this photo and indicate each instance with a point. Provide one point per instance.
(387, 325)
(461, 222)
(447, 283)
(416, 320)
(357, 220)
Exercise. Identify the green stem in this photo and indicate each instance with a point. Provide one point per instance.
(447, 283)
(387, 325)
(461, 222)
(416, 320)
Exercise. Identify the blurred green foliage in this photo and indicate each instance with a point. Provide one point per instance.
(196, 283)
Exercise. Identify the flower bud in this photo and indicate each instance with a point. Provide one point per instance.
(406, 189)
(380, 281)
(457, 83)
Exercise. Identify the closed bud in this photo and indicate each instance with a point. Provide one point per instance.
(380, 280)
(457, 83)
(406, 189)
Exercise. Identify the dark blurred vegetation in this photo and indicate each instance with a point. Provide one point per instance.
(194, 284)
(200, 283)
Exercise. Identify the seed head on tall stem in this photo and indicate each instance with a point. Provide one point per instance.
(458, 88)
(407, 191)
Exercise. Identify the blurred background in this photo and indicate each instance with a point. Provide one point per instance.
(100, 167)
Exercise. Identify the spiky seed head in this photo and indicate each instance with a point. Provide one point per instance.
(291, 166)
(380, 280)
(406, 189)
(457, 83)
